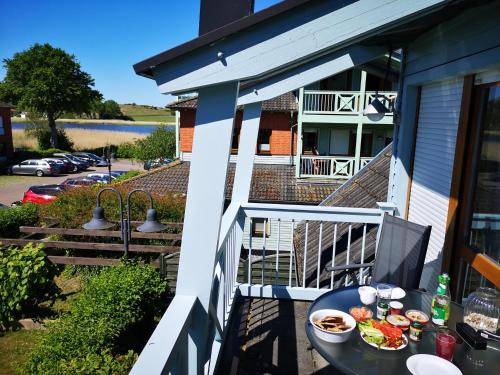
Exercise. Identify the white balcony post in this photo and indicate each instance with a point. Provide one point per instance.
(246, 152)
(359, 129)
(298, 154)
(177, 134)
(204, 205)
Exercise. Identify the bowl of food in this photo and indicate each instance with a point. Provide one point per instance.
(332, 325)
(417, 316)
(360, 313)
(399, 321)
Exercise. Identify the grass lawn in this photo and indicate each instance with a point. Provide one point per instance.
(16, 179)
(14, 349)
(16, 345)
(147, 113)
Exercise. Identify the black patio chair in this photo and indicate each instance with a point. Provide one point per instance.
(400, 254)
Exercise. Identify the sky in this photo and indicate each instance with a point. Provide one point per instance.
(106, 36)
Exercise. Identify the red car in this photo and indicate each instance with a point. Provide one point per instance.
(42, 194)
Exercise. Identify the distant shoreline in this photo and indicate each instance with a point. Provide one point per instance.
(99, 122)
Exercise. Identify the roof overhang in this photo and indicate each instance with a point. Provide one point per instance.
(285, 41)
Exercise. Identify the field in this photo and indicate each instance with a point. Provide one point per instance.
(147, 113)
(82, 138)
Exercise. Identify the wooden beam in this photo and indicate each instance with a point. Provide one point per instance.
(246, 152)
(483, 264)
(300, 76)
(458, 170)
(293, 38)
(84, 261)
(99, 233)
(94, 246)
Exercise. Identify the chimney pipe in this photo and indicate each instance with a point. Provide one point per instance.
(218, 13)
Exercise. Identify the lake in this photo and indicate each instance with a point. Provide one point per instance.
(141, 129)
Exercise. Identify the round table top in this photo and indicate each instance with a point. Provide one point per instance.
(357, 357)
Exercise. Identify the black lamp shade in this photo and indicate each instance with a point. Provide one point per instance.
(98, 221)
(151, 224)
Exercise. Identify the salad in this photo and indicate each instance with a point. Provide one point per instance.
(382, 334)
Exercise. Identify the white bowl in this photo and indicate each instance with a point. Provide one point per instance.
(334, 337)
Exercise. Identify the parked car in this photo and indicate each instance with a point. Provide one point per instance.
(78, 182)
(78, 164)
(92, 158)
(118, 173)
(42, 194)
(101, 177)
(63, 165)
(35, 167)
(152, 164)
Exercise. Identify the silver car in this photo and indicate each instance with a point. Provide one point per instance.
(35, 167)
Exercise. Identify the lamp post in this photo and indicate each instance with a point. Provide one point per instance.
(99, 222)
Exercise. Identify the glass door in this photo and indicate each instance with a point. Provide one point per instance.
(478, 240)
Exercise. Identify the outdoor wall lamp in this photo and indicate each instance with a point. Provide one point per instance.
(99, 222)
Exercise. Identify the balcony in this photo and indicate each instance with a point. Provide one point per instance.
(346, 105)
(330, 167)
(275, 272)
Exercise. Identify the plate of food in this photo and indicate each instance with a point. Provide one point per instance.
(382, 335)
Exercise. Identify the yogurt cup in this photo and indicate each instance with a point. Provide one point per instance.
(367, 294)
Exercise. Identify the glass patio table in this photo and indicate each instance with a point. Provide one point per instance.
(357, 357)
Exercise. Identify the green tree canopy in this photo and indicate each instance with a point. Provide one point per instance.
(160, 144)
(49, 81)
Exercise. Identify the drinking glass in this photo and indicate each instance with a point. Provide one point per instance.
(445, 343)
(384, 293)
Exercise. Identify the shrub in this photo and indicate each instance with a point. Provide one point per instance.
(12, 218)
(74, 208)
(126, 150)
(26, 279)
(126, 176)
(159, 144)
(87, 340)
(43, 139)
(50, 151)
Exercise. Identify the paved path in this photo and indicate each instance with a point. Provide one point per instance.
(11, 192)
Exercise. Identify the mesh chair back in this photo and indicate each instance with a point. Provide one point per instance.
(401, 252)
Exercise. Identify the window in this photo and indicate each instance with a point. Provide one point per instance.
(477, 242)
(309, 141)
(258, 228)
(264, 141)
(235, 141)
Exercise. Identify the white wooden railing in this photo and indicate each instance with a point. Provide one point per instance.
(172, 350)
(339, 167)
(343, 102)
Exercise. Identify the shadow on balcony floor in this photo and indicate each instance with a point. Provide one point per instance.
(268, 337)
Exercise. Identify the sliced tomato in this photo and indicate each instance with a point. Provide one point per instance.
(389, 331)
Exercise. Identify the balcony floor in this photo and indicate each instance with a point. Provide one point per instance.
(268, 337)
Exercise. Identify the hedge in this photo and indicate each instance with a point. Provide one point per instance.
(12, 218)
(26, 279)
(74, 208)
(87, 341)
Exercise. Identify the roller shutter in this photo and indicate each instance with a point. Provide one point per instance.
(433, 165)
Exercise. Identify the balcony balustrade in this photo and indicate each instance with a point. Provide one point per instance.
(172, 349)
(322, 102)
(334, 167)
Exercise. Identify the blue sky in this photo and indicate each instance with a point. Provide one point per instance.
(106, 36)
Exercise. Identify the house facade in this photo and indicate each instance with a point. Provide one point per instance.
(336, 138)
(6, 144)
(444, 165)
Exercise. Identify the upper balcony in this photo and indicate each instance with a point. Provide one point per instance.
(319, 106)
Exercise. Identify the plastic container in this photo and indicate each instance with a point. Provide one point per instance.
(482, 309)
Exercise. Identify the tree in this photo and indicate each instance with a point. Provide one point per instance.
(160, 144)
(49, 81)
(110, 110)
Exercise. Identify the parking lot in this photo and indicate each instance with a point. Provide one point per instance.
(13, 187)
